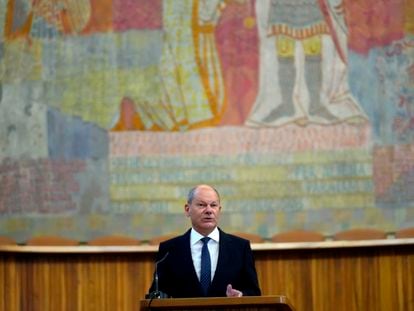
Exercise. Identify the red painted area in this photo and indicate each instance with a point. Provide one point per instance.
(237, 44)
(137, 14)
(373, 23)
(38, 186)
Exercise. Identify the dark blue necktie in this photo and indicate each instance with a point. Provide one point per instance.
(205, 273)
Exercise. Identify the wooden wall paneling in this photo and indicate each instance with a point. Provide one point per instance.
(47, 282)
(3, 280)
(63, 282)
(287, 273)
(387, 282)
(350, 278)
(114, 281)
(9, 284)
(340, 279)
(404, 276)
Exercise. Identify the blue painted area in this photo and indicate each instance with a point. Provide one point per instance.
(71, 138)
(362, 81)
(1, 50)
(378, 81)
(400, 194)
(102, 52)
(21, 10)
(338, 186)
(42, 29)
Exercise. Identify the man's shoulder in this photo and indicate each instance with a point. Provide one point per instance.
(176, 239)
(228, 237)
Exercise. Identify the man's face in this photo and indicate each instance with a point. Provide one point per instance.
(204, 210)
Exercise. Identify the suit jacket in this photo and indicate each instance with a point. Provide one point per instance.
(178, 278)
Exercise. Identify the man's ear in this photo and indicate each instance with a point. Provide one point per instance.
(187, 209)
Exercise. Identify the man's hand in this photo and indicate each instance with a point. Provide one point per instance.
(231, 292)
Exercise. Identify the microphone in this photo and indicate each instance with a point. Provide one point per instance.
(157, 293)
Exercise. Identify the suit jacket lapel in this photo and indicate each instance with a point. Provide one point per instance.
(222, 256)
(186, 258)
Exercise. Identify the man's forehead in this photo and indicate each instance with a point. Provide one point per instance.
(205, 190)
(206, 200)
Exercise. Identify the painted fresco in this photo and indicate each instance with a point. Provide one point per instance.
(301, 113)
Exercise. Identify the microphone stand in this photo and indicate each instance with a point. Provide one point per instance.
(157, 294)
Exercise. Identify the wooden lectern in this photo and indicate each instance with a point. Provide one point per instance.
(247, 303)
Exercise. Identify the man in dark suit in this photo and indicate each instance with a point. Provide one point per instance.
(231, 270)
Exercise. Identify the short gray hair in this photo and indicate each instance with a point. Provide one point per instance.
(192, 193)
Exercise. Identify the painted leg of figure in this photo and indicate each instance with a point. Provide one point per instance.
(313, 78)
(287, 76)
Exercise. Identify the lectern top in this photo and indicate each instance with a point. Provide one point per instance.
(250, 303)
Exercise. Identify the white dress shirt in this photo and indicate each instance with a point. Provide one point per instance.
(213, 247)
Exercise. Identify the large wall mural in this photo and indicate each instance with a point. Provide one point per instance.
(301, 113)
